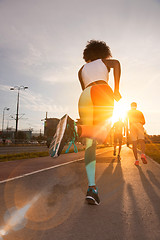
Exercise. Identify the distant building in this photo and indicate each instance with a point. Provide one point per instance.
(50, 125)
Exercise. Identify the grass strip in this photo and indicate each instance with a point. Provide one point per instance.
(153, 151)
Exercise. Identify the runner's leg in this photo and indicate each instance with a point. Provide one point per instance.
(120, 144)
(135, 149)
(142, 143)
(115, 144)
(95, 108)
(86, 117)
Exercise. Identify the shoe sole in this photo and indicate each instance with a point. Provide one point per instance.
(91, 200)
(144, 160)
(57, 143)
(136, 164)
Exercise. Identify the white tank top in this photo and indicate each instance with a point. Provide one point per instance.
(94, 71)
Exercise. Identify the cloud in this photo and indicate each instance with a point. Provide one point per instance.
(34, 103)
(37, 103)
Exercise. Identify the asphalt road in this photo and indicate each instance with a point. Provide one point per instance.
(44, 199)
(22, 149)
(30, 148)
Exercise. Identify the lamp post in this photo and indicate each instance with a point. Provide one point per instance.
(18, 88)
(3, 117)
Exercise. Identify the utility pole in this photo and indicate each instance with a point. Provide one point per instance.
(17, 114)
(17, 111)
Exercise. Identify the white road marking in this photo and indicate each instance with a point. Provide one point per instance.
(44, 169)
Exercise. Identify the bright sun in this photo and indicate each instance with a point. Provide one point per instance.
(120, 110)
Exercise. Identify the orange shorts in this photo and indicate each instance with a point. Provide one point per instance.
(136, 131)
(96, 104)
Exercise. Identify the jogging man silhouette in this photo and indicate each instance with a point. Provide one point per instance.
(136, 121)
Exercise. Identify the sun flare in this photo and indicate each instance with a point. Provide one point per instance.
(120, 111)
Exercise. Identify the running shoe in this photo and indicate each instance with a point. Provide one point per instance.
(136, 163)
(65, 133)
(144, 159)
(92, 196)
(118, 156)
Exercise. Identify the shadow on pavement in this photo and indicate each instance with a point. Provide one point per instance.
(152, 195)
(135, 223)
(153, 179)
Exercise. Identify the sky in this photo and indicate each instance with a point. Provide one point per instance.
(41, 47)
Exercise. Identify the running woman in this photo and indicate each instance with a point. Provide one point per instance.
(95, 105)
(136, 121)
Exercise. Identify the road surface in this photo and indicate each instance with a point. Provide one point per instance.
(44, 199)
(31, 148)
(22, 149)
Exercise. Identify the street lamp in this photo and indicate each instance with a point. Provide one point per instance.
(18, 88)
(3, 117)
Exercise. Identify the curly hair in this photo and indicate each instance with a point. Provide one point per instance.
(96, 50)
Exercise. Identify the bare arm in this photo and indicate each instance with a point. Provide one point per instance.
(115, 64)
(80, 78)
(143, 119)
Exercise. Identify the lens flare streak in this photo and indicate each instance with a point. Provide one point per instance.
(15, 219)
